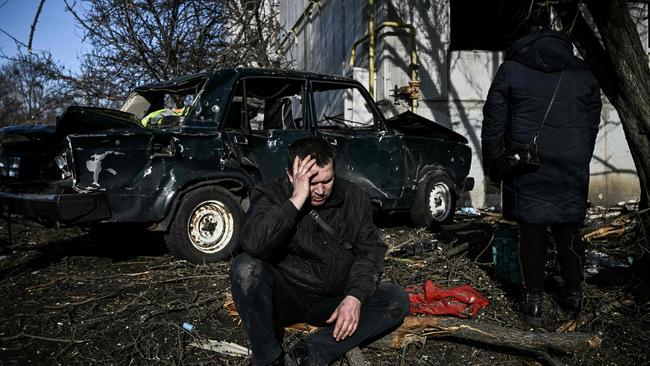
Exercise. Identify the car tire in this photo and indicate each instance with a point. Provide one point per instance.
(206, 226)
(435, 201)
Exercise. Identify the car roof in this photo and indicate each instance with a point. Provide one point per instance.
(176, 83)
(194, 79)
(246, 72)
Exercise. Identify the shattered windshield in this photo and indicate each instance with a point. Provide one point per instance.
(210, 104)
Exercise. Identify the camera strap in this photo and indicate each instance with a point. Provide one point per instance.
(328, 229)
(550, 104)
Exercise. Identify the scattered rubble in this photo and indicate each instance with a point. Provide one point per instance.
(68, 299)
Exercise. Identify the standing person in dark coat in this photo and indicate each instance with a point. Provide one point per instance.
(293, 270)
(555, 194)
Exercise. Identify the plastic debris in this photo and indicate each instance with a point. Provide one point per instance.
(188, 326)
(223, 347)
(469, 211)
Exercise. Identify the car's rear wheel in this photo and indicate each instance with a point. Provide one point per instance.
(206, 226)
(435, 201)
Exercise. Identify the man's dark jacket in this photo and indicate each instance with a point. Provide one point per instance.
(517, 101)
(307, 256)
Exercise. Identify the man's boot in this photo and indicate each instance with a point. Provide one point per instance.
(280, 361)
(299, 355)
(530, 307)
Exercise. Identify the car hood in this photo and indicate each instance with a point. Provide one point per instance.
(413, 124)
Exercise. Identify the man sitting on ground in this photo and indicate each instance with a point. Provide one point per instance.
(295, 269)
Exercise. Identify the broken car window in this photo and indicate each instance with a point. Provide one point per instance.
(165, 103)
(341, 106)
(271, 104)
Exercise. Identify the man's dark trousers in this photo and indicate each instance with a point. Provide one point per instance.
(264, 298)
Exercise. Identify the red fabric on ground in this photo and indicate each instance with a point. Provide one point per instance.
(462, 301)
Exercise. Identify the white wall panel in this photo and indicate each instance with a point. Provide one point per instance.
(453, 84)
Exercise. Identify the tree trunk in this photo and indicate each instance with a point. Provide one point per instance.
(621, 67)
(488, 334)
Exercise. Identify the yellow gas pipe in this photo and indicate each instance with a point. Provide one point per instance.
(414, 84)
(371, 52)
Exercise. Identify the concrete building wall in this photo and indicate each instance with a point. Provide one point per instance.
(321, 42)
(454, 84)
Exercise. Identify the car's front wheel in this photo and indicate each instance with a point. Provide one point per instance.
(435, 201)
(206, 226)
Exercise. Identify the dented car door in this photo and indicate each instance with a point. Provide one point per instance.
(265, 116)
(370, 155)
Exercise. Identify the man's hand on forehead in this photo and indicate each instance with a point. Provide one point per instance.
(303, 170)
(303, 165)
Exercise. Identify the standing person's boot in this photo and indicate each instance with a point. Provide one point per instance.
(530, 307)
(572, 300)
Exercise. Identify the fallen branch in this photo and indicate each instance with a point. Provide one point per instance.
(458, 249)
(86, 301)
(489, 334)
(180, 279)
(416, 329)
(25, 335)
(604, 232)
(186, 306)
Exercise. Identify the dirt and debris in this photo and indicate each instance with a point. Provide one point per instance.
(68, 298)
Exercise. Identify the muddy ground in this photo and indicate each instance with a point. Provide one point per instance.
(69, 297)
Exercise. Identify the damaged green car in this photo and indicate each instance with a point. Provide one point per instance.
(189, 171)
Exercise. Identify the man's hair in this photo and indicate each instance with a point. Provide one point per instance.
(318, 148)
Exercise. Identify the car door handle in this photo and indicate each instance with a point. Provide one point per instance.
(331, 140)
(241, 140)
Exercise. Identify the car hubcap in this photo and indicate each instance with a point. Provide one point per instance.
(211, 226)
(439, 199)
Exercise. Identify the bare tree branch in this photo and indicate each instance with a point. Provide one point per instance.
(33, 28)
(18, 42)
(131, 42)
